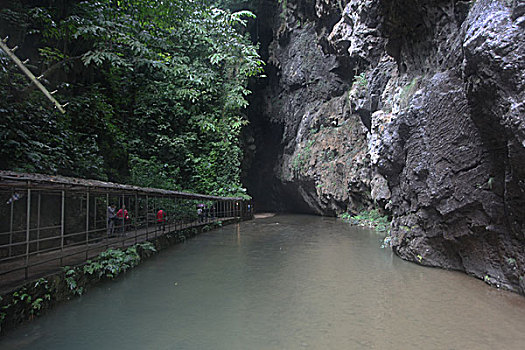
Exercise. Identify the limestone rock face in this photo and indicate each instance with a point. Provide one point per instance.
(415, 107)
(455, 161)
(322, 162)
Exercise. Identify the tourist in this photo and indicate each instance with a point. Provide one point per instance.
(122, 217)
(161, 219)
(111, 220)
(200, 211)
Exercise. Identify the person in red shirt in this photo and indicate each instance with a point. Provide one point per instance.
(122, 217)
(161, 219)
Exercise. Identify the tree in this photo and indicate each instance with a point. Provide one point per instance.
(154, 87)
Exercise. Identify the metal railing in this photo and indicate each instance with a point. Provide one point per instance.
(47, 222)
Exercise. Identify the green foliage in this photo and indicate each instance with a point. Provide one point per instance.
(235, 5)
(108, 264)
(301, 159)
(112, 262)
(372, 218)
(152, 173)
(511, 261)
(27, 302)
(361, 80)
(407, 92)
(71, 280)
(156, 91)
(284, 9)
(36, 305)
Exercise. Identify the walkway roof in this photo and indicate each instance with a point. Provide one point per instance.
(10, 179)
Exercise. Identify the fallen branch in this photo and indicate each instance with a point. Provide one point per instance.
(48, 72)
(30, 75)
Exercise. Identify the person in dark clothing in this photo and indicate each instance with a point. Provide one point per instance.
(201, 211)
(111, 220)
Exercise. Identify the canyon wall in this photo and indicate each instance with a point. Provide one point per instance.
(415, 107)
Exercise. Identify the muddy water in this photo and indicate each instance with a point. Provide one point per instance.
(283, 282)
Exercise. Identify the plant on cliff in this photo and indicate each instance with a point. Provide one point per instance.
(407, 92)
(370, 218)
(361, 80)
(302, 157)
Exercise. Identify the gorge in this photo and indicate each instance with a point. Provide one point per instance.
(413, 107)
(298, 116)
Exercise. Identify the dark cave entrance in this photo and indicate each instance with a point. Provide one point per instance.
(262, 137)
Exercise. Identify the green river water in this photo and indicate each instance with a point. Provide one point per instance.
(283, 282)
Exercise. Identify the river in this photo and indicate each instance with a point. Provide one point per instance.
(283, 282)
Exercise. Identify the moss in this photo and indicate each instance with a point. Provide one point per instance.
(301, 159)
(284, 8)
(407, 92)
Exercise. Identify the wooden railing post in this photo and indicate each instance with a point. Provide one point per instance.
(87, 223)
(28, 228)
(11, 221)
(136, 215)
(38, 221)
(62, 231)
(147, 216)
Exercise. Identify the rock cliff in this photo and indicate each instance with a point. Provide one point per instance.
(414, 106)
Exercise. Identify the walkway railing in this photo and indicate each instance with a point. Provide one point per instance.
(47, 222)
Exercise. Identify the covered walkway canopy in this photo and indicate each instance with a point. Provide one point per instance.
(47, 222)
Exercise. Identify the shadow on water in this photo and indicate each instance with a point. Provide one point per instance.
(282, 282)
